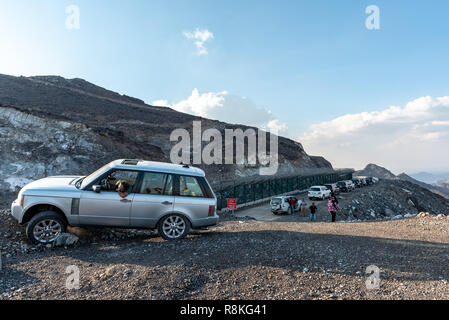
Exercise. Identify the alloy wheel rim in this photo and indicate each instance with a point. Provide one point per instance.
(173, 227)
(47, 230)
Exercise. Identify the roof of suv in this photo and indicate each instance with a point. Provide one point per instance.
(157, 166)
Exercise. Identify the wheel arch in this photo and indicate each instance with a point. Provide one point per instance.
(42, 207)
(177, 213)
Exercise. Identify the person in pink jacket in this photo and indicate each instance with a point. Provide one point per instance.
(333, 207)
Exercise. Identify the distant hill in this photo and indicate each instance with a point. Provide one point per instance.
(441, 190)
(431, 178)
(373, 170)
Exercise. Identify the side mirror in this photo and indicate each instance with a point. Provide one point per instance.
(96, 189)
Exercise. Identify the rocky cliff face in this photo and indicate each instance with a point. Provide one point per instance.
(51, 125)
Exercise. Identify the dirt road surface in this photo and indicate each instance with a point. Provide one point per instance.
(263, 212)
(244, 259)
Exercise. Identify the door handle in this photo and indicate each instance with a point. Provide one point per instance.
(167, 202)
(125, 200)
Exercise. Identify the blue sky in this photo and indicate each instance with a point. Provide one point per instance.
(308, 62)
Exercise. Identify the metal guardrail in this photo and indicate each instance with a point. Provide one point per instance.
(254, 192)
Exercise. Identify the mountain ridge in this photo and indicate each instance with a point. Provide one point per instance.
(383, 173)
(52, 125)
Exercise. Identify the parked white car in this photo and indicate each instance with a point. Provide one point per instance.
(281, 204)
(319, 192)
(351, 185)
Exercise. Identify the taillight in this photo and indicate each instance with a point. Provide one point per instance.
(211, 211)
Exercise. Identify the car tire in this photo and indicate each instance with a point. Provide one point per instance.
(45, 227)
(173, 227)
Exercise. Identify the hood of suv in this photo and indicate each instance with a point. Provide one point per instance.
(56, 183)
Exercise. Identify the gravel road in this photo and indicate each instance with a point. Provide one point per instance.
(241, 259)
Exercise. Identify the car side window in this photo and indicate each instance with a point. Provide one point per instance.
(157, 184)
(111, 181)
(189, 187)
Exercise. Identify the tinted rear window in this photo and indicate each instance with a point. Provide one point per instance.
(315, 189)
(190, 187)
(276, 201)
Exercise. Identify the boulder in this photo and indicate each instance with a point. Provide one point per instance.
(65, 240)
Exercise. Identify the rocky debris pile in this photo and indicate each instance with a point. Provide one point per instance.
(13, 240)
(428, 215)
(391, 200)
(228, 216)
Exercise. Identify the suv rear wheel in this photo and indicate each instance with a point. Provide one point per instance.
(45, 227)
(173, 227)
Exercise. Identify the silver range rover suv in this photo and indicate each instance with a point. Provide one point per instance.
(124, 193)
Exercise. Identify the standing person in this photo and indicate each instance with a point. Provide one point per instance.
(313, 209)
(332, 206)
(292, 205)
(303, 207)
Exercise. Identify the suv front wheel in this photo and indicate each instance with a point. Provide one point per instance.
(173, 227)
(45, 227)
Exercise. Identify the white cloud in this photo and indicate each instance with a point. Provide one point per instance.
(277, 126)
(410, 137)
(199, 38)
(160, 103)
(228, 108)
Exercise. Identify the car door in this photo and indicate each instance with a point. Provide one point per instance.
(192, 199)
(107, 207)
(153, 199)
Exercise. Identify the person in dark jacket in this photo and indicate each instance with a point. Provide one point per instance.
(313, 209)
(292, 205)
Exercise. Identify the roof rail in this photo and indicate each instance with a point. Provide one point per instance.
(131, 161)
(184, 165)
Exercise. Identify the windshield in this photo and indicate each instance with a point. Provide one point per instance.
(90, 178)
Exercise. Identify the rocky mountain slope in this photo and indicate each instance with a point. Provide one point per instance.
(438, 189)
(392, 199)
(382, 173)
(51, 125)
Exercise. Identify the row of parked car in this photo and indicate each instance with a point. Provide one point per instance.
(323, 192)
(281, 204)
